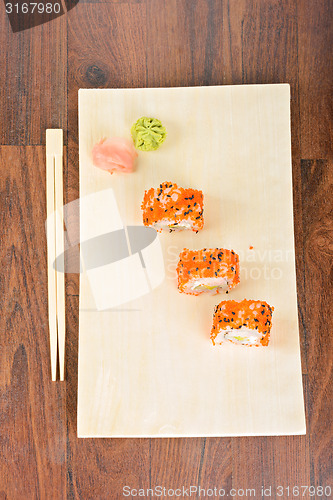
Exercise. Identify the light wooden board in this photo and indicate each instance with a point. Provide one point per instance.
(148, 368)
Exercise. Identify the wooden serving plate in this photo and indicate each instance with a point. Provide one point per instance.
(148, 367)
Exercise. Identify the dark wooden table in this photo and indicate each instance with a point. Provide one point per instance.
(139, 43)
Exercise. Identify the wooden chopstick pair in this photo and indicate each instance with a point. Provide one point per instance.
(55, 249)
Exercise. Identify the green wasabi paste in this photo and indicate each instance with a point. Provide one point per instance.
(148, 134)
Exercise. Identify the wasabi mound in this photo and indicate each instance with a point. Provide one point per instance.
(148, 134)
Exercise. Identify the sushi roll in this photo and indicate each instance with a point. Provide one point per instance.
(247, 322)
(173, 208)
(209, 270)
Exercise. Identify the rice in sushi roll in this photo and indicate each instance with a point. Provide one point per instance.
(173, 208)
(247, 322)
(209, 270)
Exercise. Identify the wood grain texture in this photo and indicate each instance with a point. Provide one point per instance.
(71, 195)
(184, 43)
(117, 2)
(33, 82)
(177, 462)
(103, 53)
(315, 38)
(32, 411)
(317, 193)
(266, 462)
(216, 463)
(294, 40)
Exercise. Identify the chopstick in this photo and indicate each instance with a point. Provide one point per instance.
(55, 249)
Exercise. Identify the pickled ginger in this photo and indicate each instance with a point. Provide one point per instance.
(114, 155)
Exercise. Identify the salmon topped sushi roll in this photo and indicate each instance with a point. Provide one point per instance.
(247, 322)
(173, 208)
(209, 270)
